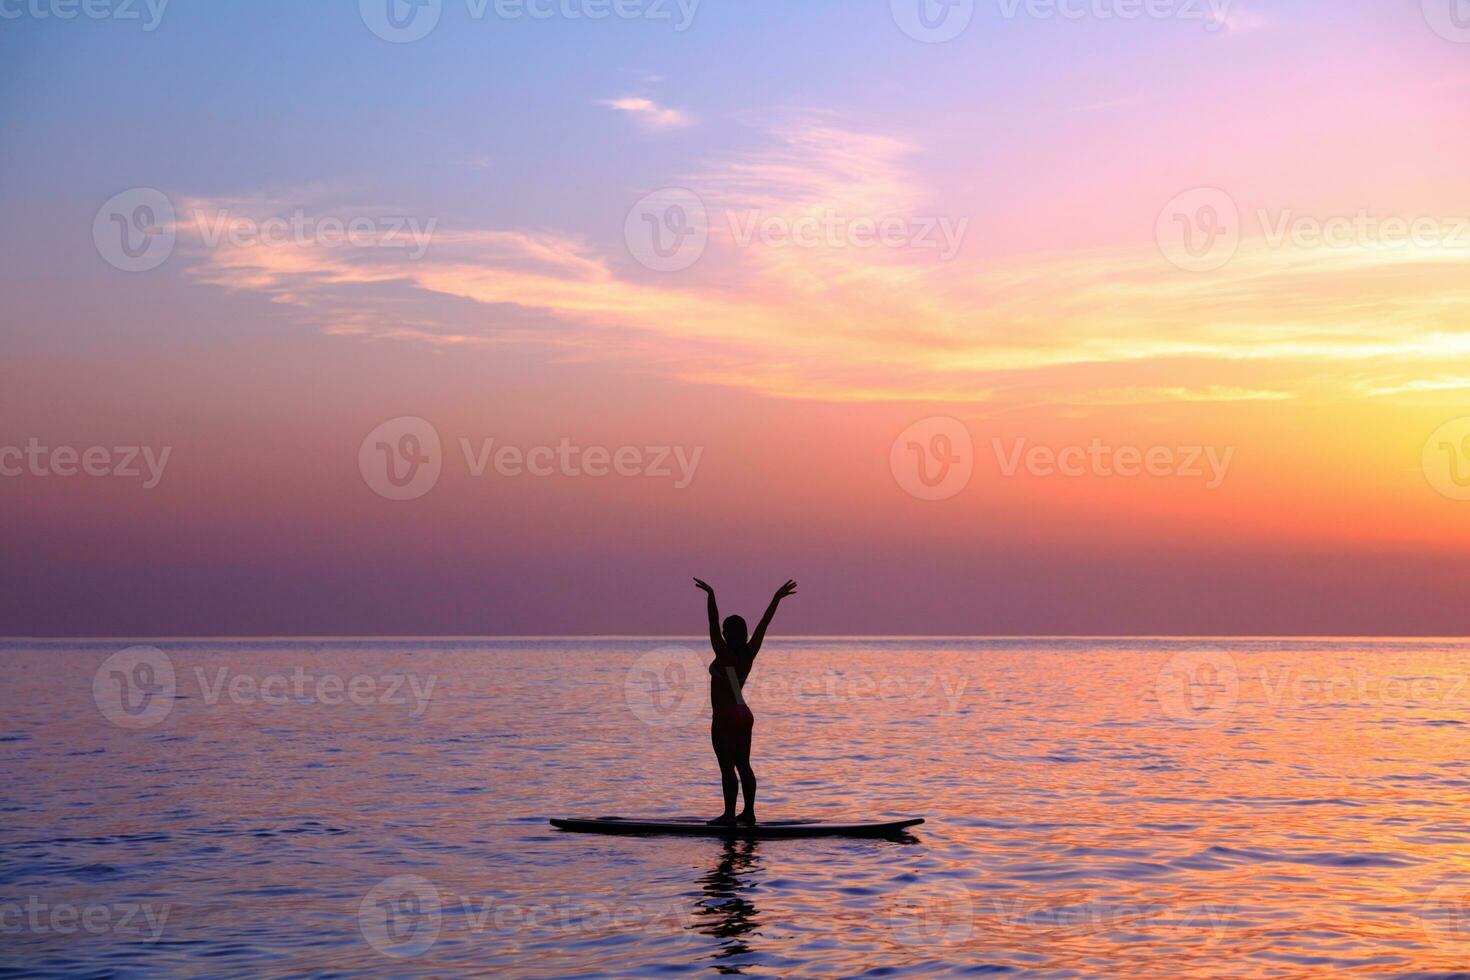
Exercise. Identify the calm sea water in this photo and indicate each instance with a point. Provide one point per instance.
(1095, 807)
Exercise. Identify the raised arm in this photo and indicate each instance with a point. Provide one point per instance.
(715, 639)
(760, 631)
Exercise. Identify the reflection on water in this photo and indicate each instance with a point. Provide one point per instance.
(727, 912)
(1165, 808)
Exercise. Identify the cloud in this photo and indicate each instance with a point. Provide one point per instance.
(650, 114)
(843, 320)
(1238, 21)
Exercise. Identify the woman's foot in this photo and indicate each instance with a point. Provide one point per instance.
(723, 820)
(747, 818)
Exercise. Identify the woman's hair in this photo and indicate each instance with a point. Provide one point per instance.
(735, 634)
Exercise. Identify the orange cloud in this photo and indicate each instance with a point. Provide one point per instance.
(838, 317)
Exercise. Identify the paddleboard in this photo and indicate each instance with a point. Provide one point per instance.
(692, 826)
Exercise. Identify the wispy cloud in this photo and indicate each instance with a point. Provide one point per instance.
(1104, 326)
(1240, 21)
(650, 114)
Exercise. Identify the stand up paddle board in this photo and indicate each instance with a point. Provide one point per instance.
(691, 826)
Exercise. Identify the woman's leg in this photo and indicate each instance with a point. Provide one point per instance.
(728, 780)
(741, 758)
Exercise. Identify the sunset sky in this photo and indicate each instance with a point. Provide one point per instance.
(1049, 184)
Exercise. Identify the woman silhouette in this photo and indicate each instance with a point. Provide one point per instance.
(731, 726)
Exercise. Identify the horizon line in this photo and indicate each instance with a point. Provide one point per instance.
(701, 636)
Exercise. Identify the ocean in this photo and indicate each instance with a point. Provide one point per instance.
(1094, 807)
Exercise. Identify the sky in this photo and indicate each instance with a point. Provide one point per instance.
(994, 317)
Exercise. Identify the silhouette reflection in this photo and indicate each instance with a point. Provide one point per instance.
(725, 913)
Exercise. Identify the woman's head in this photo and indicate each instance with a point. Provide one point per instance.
(734, 630)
